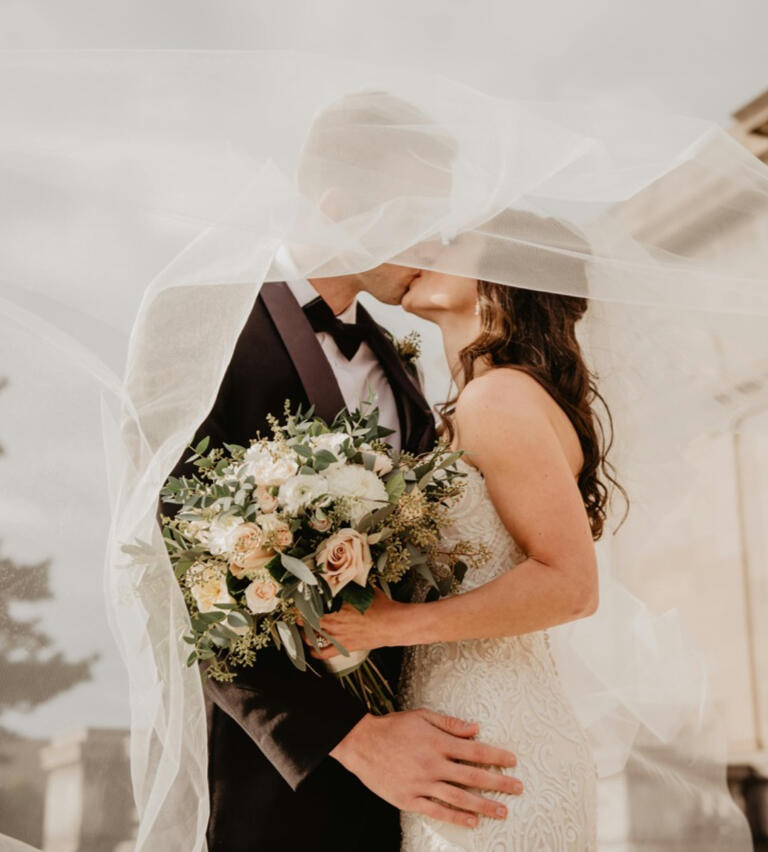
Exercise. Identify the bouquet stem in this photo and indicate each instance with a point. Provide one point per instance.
(362, 678)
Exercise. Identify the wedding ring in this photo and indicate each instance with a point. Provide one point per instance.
(322, 642)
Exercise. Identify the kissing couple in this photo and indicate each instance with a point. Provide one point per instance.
(485, 751)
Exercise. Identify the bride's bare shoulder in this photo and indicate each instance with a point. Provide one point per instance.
(501, 398)
(506, 411)
(503, 387)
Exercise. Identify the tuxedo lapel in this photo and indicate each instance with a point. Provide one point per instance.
(305, 352)
(416, 421)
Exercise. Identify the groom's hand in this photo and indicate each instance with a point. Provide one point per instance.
(413, 758)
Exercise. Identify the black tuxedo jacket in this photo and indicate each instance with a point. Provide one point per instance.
(272, 784)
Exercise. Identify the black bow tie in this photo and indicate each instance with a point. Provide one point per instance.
(348, 335)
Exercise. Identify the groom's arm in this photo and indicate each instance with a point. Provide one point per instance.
(295, 718)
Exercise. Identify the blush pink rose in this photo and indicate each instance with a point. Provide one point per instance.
(262, 595)
(344, 557)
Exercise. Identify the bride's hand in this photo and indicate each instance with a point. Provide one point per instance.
(356, 631)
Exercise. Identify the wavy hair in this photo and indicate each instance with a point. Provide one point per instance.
(535, 332)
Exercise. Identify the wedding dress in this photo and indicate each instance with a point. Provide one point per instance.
(511, 688)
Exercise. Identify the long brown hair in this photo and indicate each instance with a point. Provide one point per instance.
(536, 332)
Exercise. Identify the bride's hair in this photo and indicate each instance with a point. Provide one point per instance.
(535, 332)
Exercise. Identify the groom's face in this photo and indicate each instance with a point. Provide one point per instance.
(389, 282)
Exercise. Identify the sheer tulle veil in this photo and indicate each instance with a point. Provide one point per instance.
(145, 196)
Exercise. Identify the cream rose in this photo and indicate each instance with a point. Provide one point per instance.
(320, 522)
(276, 531)
(209, 588)
(266, 500)
(262, 595)
(382, 463)
(249, 553)
(344, 557)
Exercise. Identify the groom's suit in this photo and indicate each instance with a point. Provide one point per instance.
(272, 784)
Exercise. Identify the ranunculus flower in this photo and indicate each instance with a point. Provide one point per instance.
(362, 488)
(209, 588)
(299, 491)
(266, 500)
(268, 467)
(249, 553)
(344, 557)
(261, 595)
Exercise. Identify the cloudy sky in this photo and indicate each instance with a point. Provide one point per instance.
(697, 57)
(701, 57)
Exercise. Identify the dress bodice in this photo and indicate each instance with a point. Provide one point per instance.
(511, 688)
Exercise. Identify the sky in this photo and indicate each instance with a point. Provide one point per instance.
(700, 57)
(703, 58)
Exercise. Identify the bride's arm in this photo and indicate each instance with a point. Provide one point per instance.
(504, 423)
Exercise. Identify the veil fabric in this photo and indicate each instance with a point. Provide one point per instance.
(145, 198)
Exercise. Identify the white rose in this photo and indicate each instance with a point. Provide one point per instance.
(382, 464)
(198, 530)
(209, 588)
(249, 553)
(344, 557)
(320, 522)
(222, 534)
(333, 443)
(268, 466)
(299, 491)
(262, 595)
(363, 488)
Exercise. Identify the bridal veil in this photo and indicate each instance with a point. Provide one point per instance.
(145, 196)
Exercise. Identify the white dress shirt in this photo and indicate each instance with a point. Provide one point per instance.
(357, 376)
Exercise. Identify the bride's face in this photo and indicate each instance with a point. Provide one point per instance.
(436, 295)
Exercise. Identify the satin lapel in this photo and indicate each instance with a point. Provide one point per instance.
(416, 421)
(307, 355)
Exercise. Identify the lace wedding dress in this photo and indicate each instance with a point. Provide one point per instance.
(511, 688)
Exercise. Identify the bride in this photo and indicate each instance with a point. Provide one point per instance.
(536, 499)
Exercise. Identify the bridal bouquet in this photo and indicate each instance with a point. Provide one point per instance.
(294, 526)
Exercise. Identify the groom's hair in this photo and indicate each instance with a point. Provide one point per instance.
(368, 148)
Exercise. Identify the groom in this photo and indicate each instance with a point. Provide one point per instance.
(295, 761)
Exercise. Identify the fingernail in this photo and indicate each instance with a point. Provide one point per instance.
(518, 787)
(471, 821)
(501, 812)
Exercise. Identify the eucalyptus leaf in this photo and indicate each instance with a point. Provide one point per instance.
(298, 569)
(308, 611)
(395, 486)
(361, 597)
(293, 644)
(325, 457)
(239, 619)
